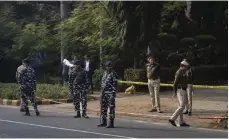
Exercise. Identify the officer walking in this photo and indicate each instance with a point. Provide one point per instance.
(153, 75)
(80, 86)
(188, 105)
(108, 95)
(27, 80)
(17, 79)
(180, 87)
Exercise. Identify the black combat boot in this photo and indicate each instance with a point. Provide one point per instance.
(27, 112)
(22, 110)
(186, 112)
(111, 124)
(103, 123)
(84, 114)
(37, 113)
(78, 115)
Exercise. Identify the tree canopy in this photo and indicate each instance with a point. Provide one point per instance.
(173, 30)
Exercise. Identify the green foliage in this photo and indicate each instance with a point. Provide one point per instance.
(90, 27)
(33, 38)
(208, 39)
(97, 78)
(11, 91)
(171, 8)
(135, 75)
(48, 91)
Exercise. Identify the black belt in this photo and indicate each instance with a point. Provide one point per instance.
(182, 88)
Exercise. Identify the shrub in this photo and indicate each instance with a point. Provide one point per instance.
(11, 91)
(138, 75)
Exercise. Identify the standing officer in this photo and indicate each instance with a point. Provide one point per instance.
(180, 86)
(17, 79)
(27, 80)
(108, 94)
(80, 85)
(153, 75)
(70, 82)
(188, 104)
(88, 69)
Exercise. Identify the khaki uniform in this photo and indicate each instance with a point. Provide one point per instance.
(188, 104)
(17, 77)
(180, 86)
(153, 75)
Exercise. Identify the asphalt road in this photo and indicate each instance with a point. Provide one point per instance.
(59, 125)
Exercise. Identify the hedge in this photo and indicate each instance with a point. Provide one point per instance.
(49, 91)
(202, 75)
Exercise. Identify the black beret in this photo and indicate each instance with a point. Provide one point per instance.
(108, 64)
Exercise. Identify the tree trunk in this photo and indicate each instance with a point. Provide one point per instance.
(64, 11)
(188, 10)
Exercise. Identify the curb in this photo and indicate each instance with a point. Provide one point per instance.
(39, 102)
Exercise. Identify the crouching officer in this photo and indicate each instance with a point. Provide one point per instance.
(27, 80)
(108, 94)
(80, 86)
(180, 87)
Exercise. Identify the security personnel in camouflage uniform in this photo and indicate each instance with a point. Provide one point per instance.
(17, 79)
(190, 79)
(180, 87)
(80, 86)
(27, 80)
(108, 94)
(70, 83)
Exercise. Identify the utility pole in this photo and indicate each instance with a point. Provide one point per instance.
(64, 12)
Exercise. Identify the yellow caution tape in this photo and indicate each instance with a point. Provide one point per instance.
(171, 85)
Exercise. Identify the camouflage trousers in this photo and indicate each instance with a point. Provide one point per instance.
(28, 92)
(70, 91)
(79, 95)
(108, 100)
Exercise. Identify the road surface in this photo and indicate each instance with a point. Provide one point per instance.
(60, 125)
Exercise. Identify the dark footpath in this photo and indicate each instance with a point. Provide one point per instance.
(59, 125)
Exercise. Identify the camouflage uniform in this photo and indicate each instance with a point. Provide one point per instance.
(80, 84)
(70, 85)
(27, 80)
(109, 88)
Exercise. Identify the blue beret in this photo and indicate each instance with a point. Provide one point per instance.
(26, 60)
(108, 64)
(151, 55)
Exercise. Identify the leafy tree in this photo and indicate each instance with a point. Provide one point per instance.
(89, 27)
